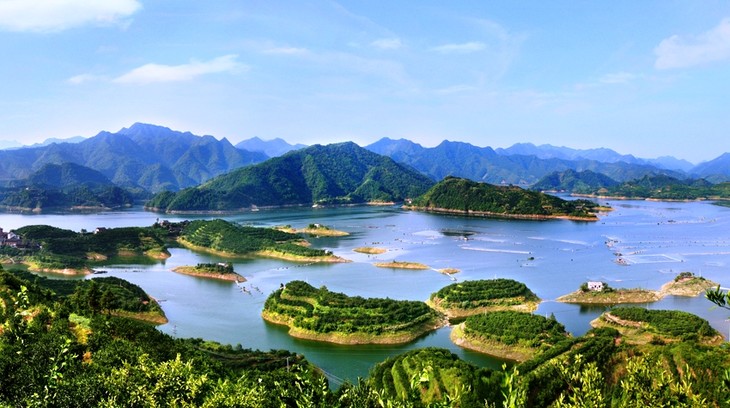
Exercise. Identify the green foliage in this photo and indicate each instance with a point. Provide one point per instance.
(469, 196)
(230, 237)
(669, 188)
(222, 268)
(509, 327)
(436, 375)
(483, 293)
(673, 323)
(333, 174)
(581, 182)
(322, 311)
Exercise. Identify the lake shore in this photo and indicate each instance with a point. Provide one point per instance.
(265, 254)
(688, 287)
(351, 338)
(489, 214)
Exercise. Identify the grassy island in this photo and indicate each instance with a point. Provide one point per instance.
(370, 250)
(474, 297)
(509, 335)
(318, 314)
(232, 240)
(316, 230)
(222, 271)
(401, 265)
(460, 196)
(641, 326)
(685, 284)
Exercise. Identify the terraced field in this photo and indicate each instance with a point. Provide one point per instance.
(474, 297)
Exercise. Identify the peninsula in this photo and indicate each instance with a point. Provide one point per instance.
(318, 314)
(461, 196)
(468, 298)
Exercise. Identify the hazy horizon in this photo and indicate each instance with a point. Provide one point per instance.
(648, 79)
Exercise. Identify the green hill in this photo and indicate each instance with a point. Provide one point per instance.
(64, 186)
(664, 187)
(342, 173)
(461, 196)
(581, 182)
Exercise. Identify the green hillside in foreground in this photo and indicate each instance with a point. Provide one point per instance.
(342, 173)
(457, 195)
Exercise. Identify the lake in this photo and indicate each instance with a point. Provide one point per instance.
(656, 240)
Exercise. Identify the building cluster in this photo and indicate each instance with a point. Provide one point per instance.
(13, 240)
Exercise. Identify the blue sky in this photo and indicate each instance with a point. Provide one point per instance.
(649, 78)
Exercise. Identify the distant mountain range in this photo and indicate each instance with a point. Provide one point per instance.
(151, 157)
(342, 173)
(271, 148)
(155, 158)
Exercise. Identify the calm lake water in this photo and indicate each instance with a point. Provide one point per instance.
(656, 239)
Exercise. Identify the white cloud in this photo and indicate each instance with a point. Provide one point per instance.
(83, 78)
(463, 48)
(617, 78)
(286, 51)
(387, 43)
(151, 73)
(681, 52)
(59, 15)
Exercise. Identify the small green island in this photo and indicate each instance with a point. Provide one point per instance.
(220, 270)
(318, 314)
(370, 250)
(231, 240)
(684, 284)
(402, 265)
(474, 297)
(461, 196)
(641, 326)
(507, 334)
(315, 230)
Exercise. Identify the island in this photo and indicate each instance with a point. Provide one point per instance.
(402, 265)
(642, 326)
(316, 230)
(465, 197)
(370, 250)
(318, 314)
(232, 240)
(56, 250)
(684, 284)
(220, 270)
(468, 298)
(509, 335)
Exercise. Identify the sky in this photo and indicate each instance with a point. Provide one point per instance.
(649, 78)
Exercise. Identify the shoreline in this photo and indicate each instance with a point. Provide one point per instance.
(254, 208)
(267, 253)
(669, 200)
(490, 347)
(192, 271)
(489, 214)
(356, 338)
(402, 265)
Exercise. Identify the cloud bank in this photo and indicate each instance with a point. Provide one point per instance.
(59, 15)
(153, 73)
(682, 52)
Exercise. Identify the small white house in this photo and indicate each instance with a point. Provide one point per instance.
(595, 286)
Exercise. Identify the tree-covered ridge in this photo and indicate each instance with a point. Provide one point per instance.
(234, 239)
(342, 173)
(348, 319)
(471, 297)
(664, 187)
(60, 248)
(580, 182)
(64, 186)
(438, 375)
(469, 197)
(672, 324)
(515, 328)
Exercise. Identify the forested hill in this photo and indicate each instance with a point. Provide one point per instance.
(469, 197)
(581, 182)
(341, 173)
